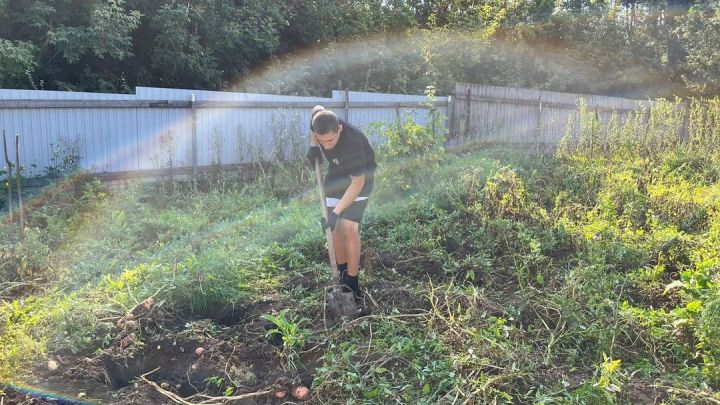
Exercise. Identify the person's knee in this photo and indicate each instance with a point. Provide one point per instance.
(349, 228)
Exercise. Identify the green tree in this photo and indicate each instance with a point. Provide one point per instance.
(201, 43)
(320, 21)
(69, 41)
(700, 31)
(16, 58)
(105, 34)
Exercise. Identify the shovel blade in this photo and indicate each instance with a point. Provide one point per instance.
(341, 305)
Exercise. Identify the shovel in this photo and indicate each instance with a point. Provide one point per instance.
(339, 304)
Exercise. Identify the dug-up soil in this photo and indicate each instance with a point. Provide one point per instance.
(154, 359)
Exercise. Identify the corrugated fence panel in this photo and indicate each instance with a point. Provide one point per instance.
(363, 118)
(558, 116)
(517, 115)
(49, 135)
(126, 139)
(11, 94)
(156, 93)
(234, 135)
(129, 138)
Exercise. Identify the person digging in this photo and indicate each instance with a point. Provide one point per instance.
(347, 187)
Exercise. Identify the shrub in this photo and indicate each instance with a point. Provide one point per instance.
(31, 256)
(680, 203)
(419, 148)
(504, 196)
(621, 199)
(709, 335)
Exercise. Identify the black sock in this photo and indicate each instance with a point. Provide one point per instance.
(353, 283)
(342, 269)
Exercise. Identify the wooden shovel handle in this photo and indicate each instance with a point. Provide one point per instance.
(328, 232)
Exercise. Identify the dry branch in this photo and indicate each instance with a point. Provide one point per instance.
(208, 400)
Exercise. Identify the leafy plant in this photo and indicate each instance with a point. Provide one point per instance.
(608, 376)
(31, 256)
(289, 327)
(419, 148)
(65, 158)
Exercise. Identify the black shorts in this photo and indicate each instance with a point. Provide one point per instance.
(354, 212)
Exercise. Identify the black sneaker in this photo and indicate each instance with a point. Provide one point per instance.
(346, 289)
(351, 284)
(343, 277)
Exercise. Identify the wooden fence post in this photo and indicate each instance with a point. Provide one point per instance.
(467, 116)
(193, 113)
(19, 181)
(596, 135)
(685, 130)
(9, 178)
(347, 105)
(647, 118)
(576, 127)
(399, 121)
(432, 120)
(539, 125)
(451, 117)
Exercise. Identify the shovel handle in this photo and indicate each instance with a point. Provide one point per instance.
(328, 233)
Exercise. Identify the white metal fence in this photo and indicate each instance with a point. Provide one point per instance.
(145, 131)
(156, 127)
(526, 116)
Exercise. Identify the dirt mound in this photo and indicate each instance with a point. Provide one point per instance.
(204, 357)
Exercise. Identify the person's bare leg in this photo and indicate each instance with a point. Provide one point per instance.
(351, 235)
(339, 244)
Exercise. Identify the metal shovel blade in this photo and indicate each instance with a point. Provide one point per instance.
(340, 305)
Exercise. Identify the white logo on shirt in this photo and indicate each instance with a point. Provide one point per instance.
(337, 162)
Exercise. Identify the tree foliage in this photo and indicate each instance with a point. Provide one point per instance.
(635, 48)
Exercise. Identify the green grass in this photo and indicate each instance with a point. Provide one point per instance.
(500, 276)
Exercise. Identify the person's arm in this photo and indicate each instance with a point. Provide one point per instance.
(352, 192)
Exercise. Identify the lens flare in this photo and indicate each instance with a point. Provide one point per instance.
(413, 60)
(44, 394)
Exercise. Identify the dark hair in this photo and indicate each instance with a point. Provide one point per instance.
(314, 112)
(324, 122)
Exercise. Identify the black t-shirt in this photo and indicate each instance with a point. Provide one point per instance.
(351, 156)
